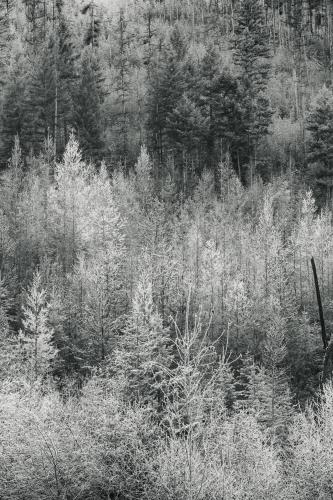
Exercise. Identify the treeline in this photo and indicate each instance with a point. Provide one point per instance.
(197, 83)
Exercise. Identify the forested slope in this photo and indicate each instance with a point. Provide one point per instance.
(166, 179)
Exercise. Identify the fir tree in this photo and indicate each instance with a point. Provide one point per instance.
(36, 335)
(166, 87)
(144, 185)
(320, 143)
(123, 61)
(94, 24)
(185, 128)
(48, 107)
(143, 356)
(36, 15)
(5, 37)
(252, 56)
(12, 122)
(88, 102)
(218, 96)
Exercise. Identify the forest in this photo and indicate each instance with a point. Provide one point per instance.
(166, 185)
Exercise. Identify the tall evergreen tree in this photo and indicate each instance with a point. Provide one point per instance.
(94, 24)
(36, 16)
(48, 106)
(12, 120)
(5, 36)
(122, 62)
(218, 97)
(143, 357)
(320, 143)
(166, 87)
(252, 54)
(37, 336)
(88, 105)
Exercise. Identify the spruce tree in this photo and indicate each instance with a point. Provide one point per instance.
(36, 335)
(320, 143)
(143, 357)
(167, 85)
(218, 97)
(5, 37)
(36, 16)
(12, 120)
(48, 106)
(88, 105)
(252, 55)
(186, 126)
(64, 80)
(122, 62)
(94, 24)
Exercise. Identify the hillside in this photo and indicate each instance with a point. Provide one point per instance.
(166, 179)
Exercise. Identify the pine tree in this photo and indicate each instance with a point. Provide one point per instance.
(185, 129)
(144, 186)
(251, 55)
(68, 199)
(218, 94)
(48, 107)
(38, 103)
(166, 87)
(320, 143)
(274, 355)
(64, 80)
(10, 204)
(5, 37)
(10, 365)
(36, 16)
(143, 357)
(37, 336)
(88, 106)
(12, 119)
(123, 61)
(94, 24)
(252, 46)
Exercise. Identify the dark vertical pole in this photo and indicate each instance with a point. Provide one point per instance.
(320, 307)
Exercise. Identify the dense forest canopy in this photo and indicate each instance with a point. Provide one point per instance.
(166, 178)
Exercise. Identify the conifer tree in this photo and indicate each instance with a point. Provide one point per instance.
(88, 105)
(252, 57)
(166, 87)
(122, 61)
(68, 199)
(143, 356)
(64, 76)
(5, 37)
(48, 107)
(94, 24)
(12, 120)
(36, 15)
(37, 336)
(218, 95)
(185, 128)
(143, 180)
(274, 355)
(320, 143)
(10, 204)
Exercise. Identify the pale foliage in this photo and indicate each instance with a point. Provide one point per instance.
(36, 337)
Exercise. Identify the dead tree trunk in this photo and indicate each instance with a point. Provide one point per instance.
(328, 347)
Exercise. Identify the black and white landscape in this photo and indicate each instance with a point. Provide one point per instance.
(166, 249)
